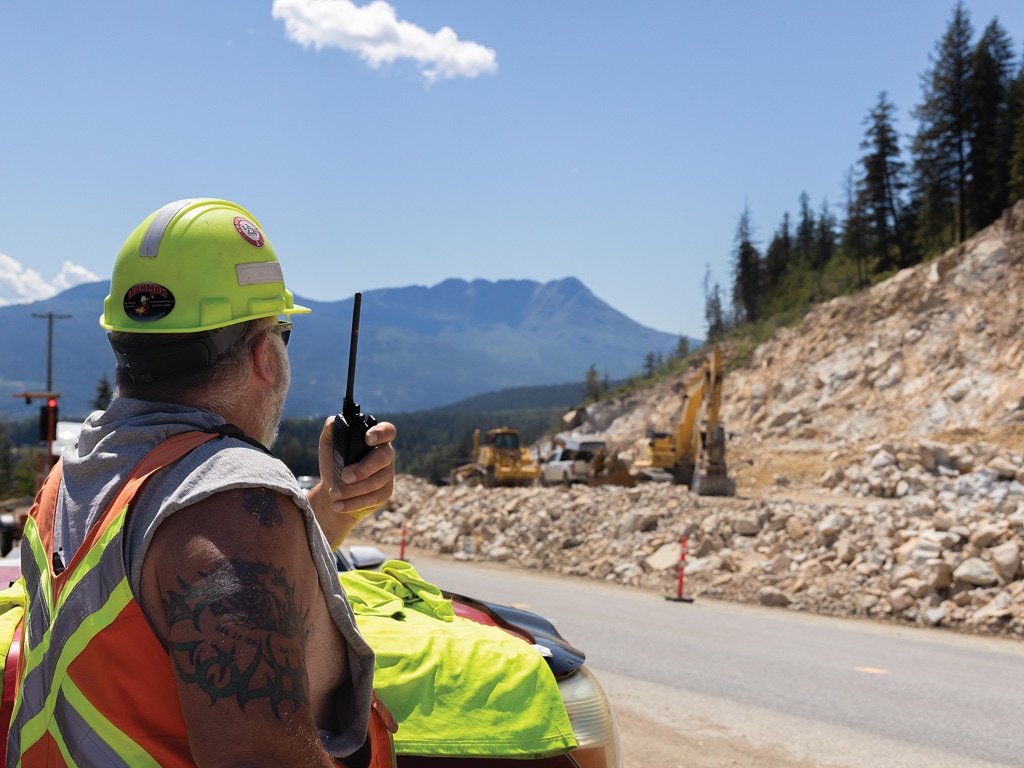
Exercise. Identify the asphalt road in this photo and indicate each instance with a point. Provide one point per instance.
(741, 685)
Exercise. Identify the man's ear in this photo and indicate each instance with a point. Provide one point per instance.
(264, 359)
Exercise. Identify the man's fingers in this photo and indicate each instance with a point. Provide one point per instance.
(384, 432)
(369, 493)
(380, 458)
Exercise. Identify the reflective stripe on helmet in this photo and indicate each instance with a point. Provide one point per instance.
(259, 272)
(150, 245)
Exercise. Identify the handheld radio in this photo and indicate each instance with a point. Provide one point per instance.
(350, 426)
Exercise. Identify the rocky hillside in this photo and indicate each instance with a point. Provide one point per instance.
(876, 448)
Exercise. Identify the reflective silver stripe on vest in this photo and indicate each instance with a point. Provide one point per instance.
(84, 746)
(155, 232)
(37, 621)
(90, 596)
(14, 740)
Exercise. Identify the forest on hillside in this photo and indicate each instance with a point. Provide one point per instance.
(908, 198)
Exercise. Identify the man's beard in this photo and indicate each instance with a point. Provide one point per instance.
(269, 415)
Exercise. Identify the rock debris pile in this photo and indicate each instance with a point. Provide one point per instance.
(876, 448)
(948, 554)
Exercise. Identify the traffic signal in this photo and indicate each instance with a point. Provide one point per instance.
(48, 420)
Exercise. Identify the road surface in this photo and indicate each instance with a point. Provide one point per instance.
(717, 684)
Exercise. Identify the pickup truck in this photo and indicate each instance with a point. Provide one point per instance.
(570, 462)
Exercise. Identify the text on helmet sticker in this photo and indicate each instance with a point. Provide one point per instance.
(146, 302)
(249, 231)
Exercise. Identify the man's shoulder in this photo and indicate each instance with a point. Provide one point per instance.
(245, 461)
(213, 468)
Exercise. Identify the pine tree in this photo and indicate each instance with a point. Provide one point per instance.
(854, 234)
(992, 126)
(942, 141)
(881, 187)
(824, 237)
(714, 316)
(682, 348)
(778, 256)
(805, 232)
(1016, 116)
(747, 283)
(910, 250)
(650, 364)
(593, 389)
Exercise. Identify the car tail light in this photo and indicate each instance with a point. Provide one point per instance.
(592, 721)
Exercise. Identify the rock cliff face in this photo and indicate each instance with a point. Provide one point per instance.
(876, 448)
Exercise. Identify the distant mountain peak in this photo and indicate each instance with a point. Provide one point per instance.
(419, 347)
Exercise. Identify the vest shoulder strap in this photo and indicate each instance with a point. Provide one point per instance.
(160, 456)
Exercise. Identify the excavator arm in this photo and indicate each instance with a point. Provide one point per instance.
(694, 454)
(710, 476)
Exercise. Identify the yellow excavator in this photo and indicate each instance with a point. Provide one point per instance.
(693, 454)
(498, 461)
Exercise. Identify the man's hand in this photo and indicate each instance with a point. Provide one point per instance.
(365, 486)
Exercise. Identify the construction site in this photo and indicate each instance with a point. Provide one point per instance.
(872, 454)
(691, 452)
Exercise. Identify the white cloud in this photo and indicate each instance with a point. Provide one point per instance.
(376, 34)
(19, 285)
(71, 275)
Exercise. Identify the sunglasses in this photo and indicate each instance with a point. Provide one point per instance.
(283, 329)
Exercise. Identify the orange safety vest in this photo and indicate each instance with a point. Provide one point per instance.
(76, 706)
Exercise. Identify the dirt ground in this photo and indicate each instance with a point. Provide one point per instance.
(660, 729)
(646, 743)
(763, 471)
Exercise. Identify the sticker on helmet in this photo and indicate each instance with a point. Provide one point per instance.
(146, 302)
(249, 231)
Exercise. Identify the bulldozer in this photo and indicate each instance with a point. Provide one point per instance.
(498, 461)
(694, 453)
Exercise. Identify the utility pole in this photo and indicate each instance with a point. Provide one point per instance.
(50, 317)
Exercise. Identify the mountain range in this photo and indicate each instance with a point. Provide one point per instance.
(418, 348)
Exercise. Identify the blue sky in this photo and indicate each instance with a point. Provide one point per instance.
(391, 144)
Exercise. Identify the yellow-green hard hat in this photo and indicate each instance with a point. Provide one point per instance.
(195, 265)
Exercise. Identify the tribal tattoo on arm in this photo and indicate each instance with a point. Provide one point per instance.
(239, 632)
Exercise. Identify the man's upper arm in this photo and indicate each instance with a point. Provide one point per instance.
(229, 586)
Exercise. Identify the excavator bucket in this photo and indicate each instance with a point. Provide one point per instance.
(710, 477)
(712, 484)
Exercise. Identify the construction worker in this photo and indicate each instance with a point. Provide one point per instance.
(184, 606)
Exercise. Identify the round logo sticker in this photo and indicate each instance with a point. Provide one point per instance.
(147, 302)
(249, 231)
